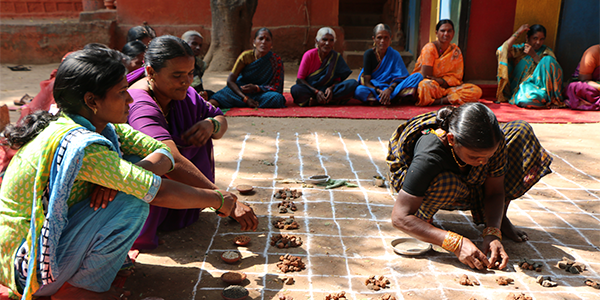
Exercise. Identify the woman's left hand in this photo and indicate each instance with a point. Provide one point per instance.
(385, 97)
(328, 94)
(498, 256)
(101, 196)
(199, 134)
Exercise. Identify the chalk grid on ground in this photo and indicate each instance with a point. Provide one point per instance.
(353, 235)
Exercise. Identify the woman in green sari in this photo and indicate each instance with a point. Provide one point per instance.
(528, 74)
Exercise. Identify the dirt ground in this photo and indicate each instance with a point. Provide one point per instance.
(347, 231)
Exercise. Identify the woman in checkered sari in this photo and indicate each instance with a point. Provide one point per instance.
(461, 158)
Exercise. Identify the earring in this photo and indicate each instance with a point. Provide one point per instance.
(95, 110)
(374, 43)
(450, 144)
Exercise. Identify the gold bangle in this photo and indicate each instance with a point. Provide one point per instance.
(245, 99)
(495, 231)
(452, 241)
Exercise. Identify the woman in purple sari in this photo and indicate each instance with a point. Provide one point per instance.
(584, 92)
(166, 108)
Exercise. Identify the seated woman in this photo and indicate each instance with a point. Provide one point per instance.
(384, 76)
(63, 231)
(584, 92)
(528, 74)
(461, 159)
(143, 33)
(171, 111)
(441, 64)
(256, 79)
(322, 74)
(195, 40)
(134, 50)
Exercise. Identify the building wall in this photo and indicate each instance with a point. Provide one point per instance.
(289, 22)
(39, 8)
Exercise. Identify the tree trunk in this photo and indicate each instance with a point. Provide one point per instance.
(231, 29)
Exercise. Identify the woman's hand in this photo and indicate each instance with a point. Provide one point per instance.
(384, 96)
(229, 204)
(498, 255)
(245, 216)
(321, 97)
(470, 255)
(199, 134)
(101, 196)
(328, 94)
(249, 88)
(529, 51)
(252, 103)
(203, 94)
(523, 28)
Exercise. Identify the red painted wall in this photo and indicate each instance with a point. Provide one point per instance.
(288, 22)
(424, 21)
(10, 9)
(491, 23)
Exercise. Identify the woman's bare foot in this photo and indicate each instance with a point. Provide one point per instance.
(69, 292)
(510, 231)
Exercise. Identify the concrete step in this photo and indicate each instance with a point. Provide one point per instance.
(359, 19)
(357, 32)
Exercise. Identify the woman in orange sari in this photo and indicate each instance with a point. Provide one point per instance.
(441, 64)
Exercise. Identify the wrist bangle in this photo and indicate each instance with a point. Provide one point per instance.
(452, 241)
(216, 124)
(495, 231)
(245, 99)
(515, 34)
(257, 89)
(222, 202)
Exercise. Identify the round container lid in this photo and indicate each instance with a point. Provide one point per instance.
(410, 246)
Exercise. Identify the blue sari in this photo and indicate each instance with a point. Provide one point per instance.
(267, 73)
(390, 70)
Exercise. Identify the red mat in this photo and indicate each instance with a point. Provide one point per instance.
(356, 110)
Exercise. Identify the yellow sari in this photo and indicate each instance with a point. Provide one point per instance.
(448, 66)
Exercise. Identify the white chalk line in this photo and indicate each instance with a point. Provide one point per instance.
(443, 221)
(212, 239)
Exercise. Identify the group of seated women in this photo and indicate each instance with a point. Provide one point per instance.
(257, 76)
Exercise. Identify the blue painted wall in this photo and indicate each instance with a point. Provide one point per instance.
(579, 28)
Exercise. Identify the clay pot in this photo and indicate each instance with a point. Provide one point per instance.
(230, 260)
(244, 189)
(109, 4)
(241, 240)
(233, 277)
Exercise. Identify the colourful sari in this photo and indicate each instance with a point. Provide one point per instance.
(581, 95)
(390, 70)
(448, 66)
(267, 73)
(49, 234)
(333, 71)
(526, 84)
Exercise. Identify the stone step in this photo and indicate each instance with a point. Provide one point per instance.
(358, 45)
(361, 6)
(359, 19)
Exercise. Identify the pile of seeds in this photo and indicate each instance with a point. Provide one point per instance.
(339, 296)
(571, 266)
(286, 194)
(521, 296)
(283, 297)
(386, 297)
(286, 223)
(290, 263)
(546, 281)
(286, 205)
(285, 241)
(526, 264)
(377, 282)
(504, 280)
(235, 292)
(465, 280)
